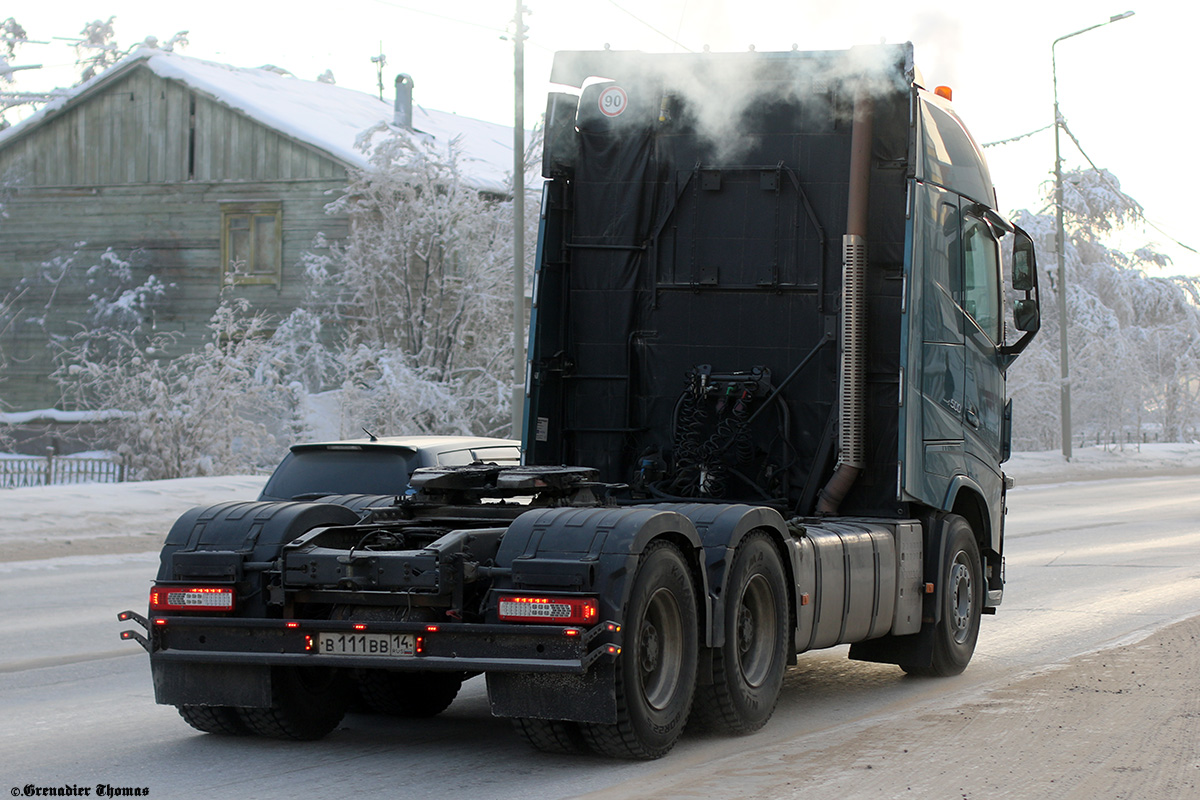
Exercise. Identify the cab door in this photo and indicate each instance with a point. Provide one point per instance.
(983, 385)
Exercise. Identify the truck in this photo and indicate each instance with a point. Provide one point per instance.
(765, 413)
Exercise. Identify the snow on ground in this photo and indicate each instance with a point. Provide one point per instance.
(106, 518)
(1111, 461)
(88, 520)
(57, 415)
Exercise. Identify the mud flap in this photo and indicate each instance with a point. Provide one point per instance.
(590, 697)
(914, 650)
(245, 685)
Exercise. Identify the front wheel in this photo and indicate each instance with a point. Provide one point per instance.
(656, 671)
(955, 634)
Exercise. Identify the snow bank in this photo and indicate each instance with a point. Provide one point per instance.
(57, 415)
(136, 516)
(1103, 462)
(99, 510)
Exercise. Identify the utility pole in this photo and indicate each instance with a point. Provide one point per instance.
(518, 194)
(380, 61)
(1060, 244)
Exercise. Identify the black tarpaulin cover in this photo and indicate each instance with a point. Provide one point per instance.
(693, 261)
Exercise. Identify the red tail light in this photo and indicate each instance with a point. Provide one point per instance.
(191, 598)
(554, 610)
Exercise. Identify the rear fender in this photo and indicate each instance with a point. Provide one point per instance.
(594, 551)
(721, 529)
(231, 543)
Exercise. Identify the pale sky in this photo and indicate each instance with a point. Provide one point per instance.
(1127, 89)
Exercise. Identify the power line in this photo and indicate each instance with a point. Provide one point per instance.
(1099, 172)
(1096, 169)
(441, 16)
(668, 37)
(1019, 138)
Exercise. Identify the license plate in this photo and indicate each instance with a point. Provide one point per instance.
(366, 644)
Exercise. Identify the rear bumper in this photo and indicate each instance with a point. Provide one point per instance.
(460, 647)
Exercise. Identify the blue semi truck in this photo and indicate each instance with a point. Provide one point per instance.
(765, 413)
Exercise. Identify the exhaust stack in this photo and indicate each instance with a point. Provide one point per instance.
(851, 418)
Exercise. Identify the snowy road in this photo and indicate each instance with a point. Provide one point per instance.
(1089, 564)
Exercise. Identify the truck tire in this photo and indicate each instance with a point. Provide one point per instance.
(408, 694)
(551, 735)
(955, 634)
(748, 669)
(307, 703)
(655, 675)
(214, 719)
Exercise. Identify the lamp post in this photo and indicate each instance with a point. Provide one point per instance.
(1060, 242)
(518, 395)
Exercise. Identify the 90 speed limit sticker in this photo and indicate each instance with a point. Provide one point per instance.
(613, 101)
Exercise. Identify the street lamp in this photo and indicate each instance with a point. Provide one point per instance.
(518, 393)
(1060, 241)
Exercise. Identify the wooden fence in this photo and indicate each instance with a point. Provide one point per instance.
(51, 470)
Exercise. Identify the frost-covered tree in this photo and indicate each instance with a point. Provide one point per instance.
(421, 290)
(224, 407)
(12, 36)
(211, 411)
(109, 292)
(1134, 337)
(98, 49)
(116, 302)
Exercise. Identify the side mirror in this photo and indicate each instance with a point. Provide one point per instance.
(1024, 265)
(1027, 315)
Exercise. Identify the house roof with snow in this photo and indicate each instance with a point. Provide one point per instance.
(327, 117)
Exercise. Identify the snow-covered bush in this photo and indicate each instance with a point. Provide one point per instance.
(421, 291)
(206, 412)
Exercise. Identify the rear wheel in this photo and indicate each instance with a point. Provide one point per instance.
(748, 669)
(408, 694)
(214, 719)
(955, 634)
(656, 671)
(551, 735)
(306, 703)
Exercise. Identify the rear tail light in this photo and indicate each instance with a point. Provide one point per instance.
(191, 598)
(554, 610)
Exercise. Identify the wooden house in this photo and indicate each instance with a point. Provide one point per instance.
(181, 167)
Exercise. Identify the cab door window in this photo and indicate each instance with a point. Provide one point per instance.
(981, 277)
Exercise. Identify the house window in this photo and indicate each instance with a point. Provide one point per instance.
(252, 242)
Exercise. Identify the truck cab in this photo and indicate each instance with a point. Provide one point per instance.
(691, 290)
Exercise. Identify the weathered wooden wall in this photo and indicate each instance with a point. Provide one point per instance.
(115, 172)
(140, 130)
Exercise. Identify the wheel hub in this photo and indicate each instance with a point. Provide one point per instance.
(960, 583)
(651, 649)
(660, 645)
(746, 632)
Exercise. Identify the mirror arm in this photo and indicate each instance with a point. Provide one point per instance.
(1009, 352)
